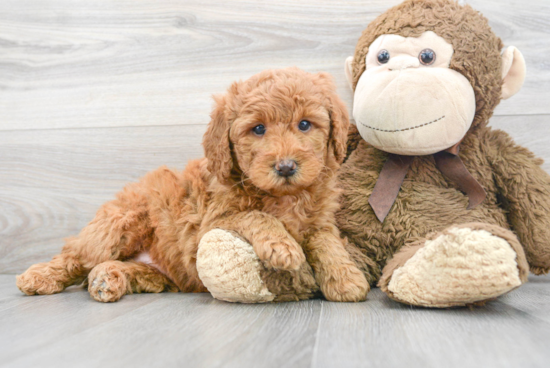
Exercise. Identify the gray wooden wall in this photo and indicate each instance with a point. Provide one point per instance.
(93, 94)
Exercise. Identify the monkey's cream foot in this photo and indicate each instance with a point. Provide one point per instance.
(107, 283)
(229, 268)
(231, 271)
(462, 265)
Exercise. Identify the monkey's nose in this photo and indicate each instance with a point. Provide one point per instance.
(403, 62)
(286, 168)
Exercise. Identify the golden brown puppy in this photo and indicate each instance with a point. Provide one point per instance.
(272, 150)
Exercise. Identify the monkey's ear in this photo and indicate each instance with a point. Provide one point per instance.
(348, 70)
(216, 144)
(513, 71)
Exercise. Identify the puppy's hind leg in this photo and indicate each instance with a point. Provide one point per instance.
(110, 280)
(120, 229)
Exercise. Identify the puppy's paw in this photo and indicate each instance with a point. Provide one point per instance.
(39, 279)
(283, 255)
(345, 284)
(107, 285)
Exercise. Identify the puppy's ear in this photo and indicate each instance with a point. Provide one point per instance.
(339, 119)
(217, 147)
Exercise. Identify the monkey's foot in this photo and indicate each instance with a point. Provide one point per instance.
(463, 265)
(231, 271)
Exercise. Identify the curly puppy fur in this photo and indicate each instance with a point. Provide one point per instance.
(237, 188)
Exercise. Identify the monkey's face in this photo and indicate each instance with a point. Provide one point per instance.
(408, 101)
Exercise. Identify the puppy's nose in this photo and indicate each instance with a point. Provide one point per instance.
(286, 168)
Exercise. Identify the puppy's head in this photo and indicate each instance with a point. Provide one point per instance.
(280, 131)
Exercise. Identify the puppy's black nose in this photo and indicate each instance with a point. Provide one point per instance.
(286, 168)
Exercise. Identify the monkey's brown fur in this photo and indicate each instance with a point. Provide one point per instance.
(233, 188)
(518, 190)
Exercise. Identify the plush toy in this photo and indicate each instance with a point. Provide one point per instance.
(253, 221)
(443, 210)
(231, 271)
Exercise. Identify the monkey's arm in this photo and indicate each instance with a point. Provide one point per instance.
(524, 190)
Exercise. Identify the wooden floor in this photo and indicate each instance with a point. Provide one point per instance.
(95, 93)
(195, 330)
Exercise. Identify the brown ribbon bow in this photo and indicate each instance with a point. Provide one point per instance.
(396, 167)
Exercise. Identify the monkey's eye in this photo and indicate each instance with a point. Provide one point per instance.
(383, 57)
(259, 130)
(304, 125)
(427, 56)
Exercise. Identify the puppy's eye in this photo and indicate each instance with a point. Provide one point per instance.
(304, 125)
(259, 129)
(427, 56)
(383, 57)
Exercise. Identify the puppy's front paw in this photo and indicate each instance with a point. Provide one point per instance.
(345, 284)
(39, 279)
(283, 255)
(107, 285)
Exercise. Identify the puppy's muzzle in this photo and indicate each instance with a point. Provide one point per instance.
(286, 168)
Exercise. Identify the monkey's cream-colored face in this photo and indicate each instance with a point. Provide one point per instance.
(408, 101)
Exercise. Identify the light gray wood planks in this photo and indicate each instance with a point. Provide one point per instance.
(126, 63)
(194, 330)
(53, 181)
(33, 323)
(383, 333)
(82, 64)
(168, 330)
(534, 298)
(95, 94)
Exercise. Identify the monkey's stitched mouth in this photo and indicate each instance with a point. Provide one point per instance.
(402, 130)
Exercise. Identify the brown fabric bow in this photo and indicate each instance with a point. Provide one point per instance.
(396, 167)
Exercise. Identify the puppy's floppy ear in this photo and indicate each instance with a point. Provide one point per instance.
(339, 119)
(217, 147)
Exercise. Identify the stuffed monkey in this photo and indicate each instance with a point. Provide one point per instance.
(442, 210)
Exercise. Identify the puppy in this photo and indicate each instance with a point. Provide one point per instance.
(273, 146)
